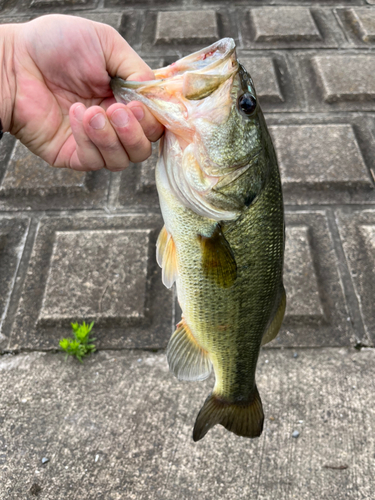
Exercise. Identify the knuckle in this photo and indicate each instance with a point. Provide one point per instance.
(92, 163)
(136, 142)
(146, 154)
(118, 167)
(153, 133)
(110, 146)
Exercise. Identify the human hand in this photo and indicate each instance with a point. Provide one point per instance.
(63, 109)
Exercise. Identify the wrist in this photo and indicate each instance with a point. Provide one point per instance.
(7, 77)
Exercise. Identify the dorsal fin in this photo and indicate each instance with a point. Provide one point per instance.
(166, 257)
(186, 358)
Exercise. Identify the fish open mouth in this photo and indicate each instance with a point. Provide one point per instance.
(217, 59)
(193, 77)
(185, 81)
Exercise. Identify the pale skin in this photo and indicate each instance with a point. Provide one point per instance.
(56, 99)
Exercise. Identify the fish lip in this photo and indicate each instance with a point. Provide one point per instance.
(184, 65)
(227, 45)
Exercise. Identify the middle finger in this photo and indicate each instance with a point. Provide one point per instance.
(101, 133)
(129, 132)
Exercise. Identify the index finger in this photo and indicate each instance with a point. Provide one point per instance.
(121, 59)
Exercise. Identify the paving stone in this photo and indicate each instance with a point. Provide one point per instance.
(288, 27)
(346, 77)
(14, 19)
(111, 284)
(6, 148)
(100, 269)
(335, 188)
(59, 3)
(263, 73)
(274, 75)
(29, 182)
(320, 157)
(257, 3)
(137, 186)
(329, 81)
(112, 18)
(28, 172)
(175, 34)
(146, 178)
(195, 26)
(316, 311)
(357, 230)
(137, 3)
(284, 24)
(131, 28)
(7, 6)
(359, 22)
(119, 426)
(13, 232)
(301, 279)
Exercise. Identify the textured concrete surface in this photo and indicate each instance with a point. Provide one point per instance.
(120, 427)
(80, 246)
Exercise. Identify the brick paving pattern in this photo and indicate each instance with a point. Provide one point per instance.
(82, 245)
(313, 66)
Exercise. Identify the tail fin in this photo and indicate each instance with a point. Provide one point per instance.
(242, 418)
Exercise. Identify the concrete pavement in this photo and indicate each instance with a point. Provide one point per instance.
(120, 427)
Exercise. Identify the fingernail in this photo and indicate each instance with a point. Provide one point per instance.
(138, 113)
(98, 121)
(79, 112)
(120, 118)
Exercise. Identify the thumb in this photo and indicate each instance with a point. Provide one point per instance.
(121, 59)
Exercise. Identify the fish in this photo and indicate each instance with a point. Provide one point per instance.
(223, 237)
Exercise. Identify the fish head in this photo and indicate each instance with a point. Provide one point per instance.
(208, 105)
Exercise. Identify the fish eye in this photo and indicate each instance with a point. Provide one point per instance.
(247, 103)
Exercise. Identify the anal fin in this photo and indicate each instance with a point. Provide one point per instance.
(275, 325)
(243, 418)
(186, 358)
(219, 263)
(166, 257)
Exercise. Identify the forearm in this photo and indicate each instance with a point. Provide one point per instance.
(7, 78)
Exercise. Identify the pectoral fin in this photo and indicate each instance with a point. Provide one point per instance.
(274, 327)
(186, 358)
(219, 263)
(166, 257)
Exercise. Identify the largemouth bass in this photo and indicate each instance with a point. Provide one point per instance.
(223, 240)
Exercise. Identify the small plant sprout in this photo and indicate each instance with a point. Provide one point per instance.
(81, 345)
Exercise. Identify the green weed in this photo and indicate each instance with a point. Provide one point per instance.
(81, 345)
